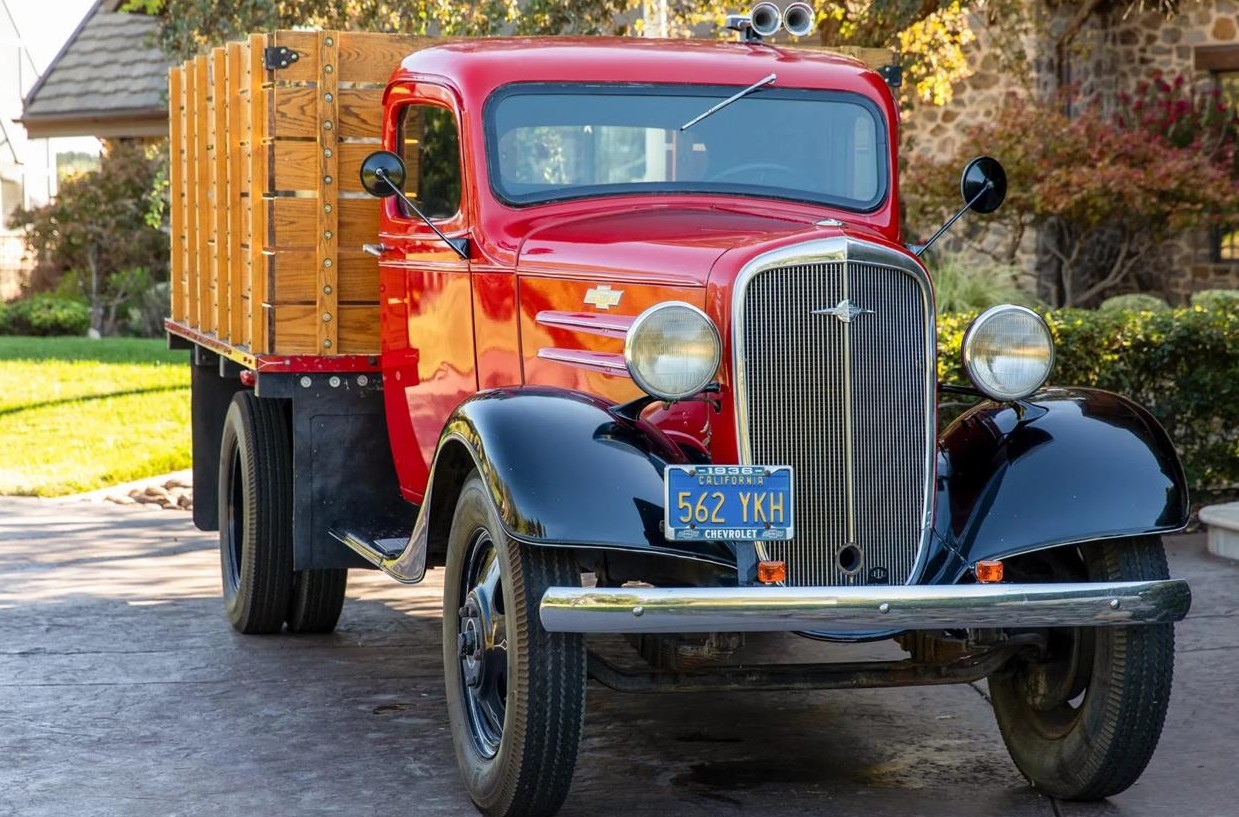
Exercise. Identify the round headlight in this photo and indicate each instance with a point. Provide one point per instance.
(672, 350)
(1008, 352)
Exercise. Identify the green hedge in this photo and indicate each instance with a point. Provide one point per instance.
(44, 315)
(1181, 364)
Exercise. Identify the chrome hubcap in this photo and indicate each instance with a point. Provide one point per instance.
(482, 644)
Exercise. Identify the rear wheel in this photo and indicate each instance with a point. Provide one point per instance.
(515, 693)
(255, 514)
(317, 599)
(1082, 721)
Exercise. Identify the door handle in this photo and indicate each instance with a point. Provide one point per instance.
(376, 250)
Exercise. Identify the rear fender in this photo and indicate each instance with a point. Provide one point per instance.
(1067, 466)
(563, 471)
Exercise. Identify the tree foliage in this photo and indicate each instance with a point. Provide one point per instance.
(102, 232)
(930, 34)
(1107, 191)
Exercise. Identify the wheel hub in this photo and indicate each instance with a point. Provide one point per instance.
(482, 644)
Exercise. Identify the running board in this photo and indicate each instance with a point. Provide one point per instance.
(384, 549)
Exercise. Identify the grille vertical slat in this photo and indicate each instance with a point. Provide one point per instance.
(797, 367)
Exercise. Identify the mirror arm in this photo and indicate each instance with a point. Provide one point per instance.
(460, 245)
(989, 185)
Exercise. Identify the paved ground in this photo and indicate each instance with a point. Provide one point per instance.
(124, 692)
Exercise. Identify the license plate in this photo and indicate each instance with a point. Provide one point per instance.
(729, 502)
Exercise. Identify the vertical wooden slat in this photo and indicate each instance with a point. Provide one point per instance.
(258, 187)
(221, 201)
(232, 230)
(176, 135)
(187, 221)
(201, 194)
(328, 185)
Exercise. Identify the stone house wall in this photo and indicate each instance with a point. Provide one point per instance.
(1111, 54)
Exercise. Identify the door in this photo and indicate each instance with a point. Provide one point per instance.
(424, 285)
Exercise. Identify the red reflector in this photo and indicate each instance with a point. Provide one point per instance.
(988, 572)
(248, 378)
(771, 572)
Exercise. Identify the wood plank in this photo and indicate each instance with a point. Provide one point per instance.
(176, 193)
(305, 67)
(295, 166)
(294, 332)
(236, 169)
(191, 186)
(359, 222)
(219, 191)
(258, 341)
(295, 280)
(296, 219)
(296, 112)
(352, 155)
(202, 204)
(245, 159)
(373, 57)
(361, 113)
(329, 184)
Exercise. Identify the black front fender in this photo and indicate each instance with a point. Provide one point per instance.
(564, 471)
(1066, 466)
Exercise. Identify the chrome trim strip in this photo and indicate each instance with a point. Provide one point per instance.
(610, 326)
(836, 249)
(605, 362)
(915, 607)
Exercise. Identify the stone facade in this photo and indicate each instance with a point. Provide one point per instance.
(1111, 54)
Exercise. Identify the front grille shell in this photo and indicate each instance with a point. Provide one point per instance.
(866, 433)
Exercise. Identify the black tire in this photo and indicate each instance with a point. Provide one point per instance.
(1097, 745)
(516, 733)
(317, 599)
(255, 514)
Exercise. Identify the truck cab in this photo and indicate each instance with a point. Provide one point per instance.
(655, 360)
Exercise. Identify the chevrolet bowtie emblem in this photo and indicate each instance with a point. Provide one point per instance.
(603, 296)
(845, 311)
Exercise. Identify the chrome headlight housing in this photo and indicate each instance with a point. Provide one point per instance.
(1008, 352)
(672, 350)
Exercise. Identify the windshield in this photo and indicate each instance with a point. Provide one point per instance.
(555, 142)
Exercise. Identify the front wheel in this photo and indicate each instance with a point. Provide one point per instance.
(515, 693)
(1082, 721)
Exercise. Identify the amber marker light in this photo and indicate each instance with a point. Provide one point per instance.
(771, 572)
(988, 572)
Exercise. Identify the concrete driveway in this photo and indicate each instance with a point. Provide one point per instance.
(124, 692)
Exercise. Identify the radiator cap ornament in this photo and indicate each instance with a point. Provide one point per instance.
(845, 311)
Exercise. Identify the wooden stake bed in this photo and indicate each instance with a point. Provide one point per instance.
(268, 213)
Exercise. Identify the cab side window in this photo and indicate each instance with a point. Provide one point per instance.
(430, 147)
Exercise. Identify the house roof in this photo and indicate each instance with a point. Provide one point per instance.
(107, 81)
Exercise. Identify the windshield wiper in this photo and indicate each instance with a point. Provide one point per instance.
(756, 86)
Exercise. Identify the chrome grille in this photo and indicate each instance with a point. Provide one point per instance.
(847, 404)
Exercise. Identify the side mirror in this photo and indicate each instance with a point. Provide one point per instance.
(383, 174)
(983, 184)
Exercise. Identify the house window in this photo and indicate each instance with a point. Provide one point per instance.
(1222, 63)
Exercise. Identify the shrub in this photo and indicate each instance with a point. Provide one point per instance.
(967, 285)
(44, 315)
(1135, 302)
(1217, 299)
(1180, 364)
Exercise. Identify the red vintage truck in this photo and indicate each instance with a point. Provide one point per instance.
(630, 342)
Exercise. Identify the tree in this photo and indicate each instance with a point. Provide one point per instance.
(1107, 192)
(103, 229)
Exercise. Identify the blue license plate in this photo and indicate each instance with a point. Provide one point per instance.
(728, 502)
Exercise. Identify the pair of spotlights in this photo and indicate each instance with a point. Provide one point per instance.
(765, 19)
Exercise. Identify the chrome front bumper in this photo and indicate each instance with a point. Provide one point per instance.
(910, 607)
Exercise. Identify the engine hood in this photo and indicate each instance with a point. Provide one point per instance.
(676, 245)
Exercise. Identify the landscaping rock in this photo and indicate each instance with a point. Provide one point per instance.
(172, 494)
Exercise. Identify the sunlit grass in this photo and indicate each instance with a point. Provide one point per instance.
(77, 414)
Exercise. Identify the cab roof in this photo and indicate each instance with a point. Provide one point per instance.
(477, 67)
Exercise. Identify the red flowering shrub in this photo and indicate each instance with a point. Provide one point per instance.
(1105, 191)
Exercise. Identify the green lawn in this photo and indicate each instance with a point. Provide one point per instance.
(78, 414)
